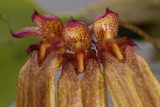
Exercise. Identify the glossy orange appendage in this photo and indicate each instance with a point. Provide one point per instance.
(80, 56)
(117, 51)
(80, 59)
(110, 44)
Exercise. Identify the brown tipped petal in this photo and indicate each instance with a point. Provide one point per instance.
(27, 32)
(26, 86)
(94, 92)
(142, 79)
(69, 91)
(45, 83)
(122, 94)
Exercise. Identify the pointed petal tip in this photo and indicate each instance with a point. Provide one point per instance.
(131, 43)
(34, 14)
(27, 32)
(15, 35)
(108, 11)
(35, 11)
(74, 21)
(71, 20)
(38, 16)
(102, 15)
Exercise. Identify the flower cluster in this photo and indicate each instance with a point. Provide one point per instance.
(131, 86)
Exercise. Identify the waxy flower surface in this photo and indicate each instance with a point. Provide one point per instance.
(131, 84)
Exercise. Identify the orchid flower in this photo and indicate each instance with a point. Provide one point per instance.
(37, 75)
(131, 84)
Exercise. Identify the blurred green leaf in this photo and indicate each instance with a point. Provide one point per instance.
(12, 51)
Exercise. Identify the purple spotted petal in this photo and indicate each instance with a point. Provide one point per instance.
(107, 22)
(48, 25)
(27, 32)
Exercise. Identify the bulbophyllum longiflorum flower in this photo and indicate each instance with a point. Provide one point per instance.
(35, 86)
(130, 85)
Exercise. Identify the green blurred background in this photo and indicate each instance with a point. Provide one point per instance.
(12, 51)
(145, 14)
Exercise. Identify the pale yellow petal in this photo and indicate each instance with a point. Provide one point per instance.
(45, 83)
(142, 79)
(26, 86)
(122, 94)
(94, 92)
(69, 90)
